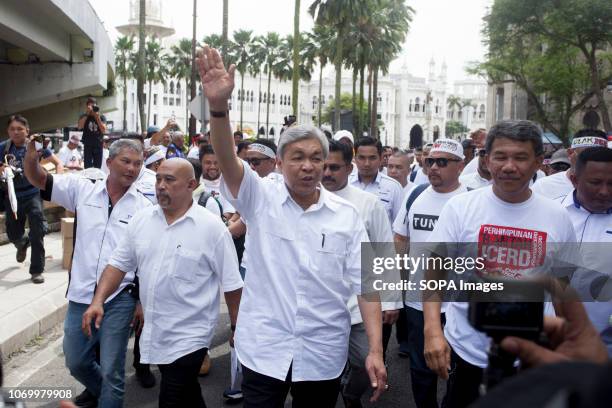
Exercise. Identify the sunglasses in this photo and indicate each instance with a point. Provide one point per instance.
(481, 152)
(440, 161)
(560, 166)
(332, 167)
(256, 162)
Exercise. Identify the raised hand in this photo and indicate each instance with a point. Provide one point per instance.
(217, 82)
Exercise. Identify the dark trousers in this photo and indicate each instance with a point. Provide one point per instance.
(424, 381)
(401, 333)
(29, 208)
(137, 365)
(179, 382)
(92, 156)
(463, 383)
(261, 391)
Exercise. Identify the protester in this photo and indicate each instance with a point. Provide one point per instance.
(92, 123)
(312, 282)
(559, 162)
(194, 148)
(237, 137)
(419, 172)
(344, 136)
(103, 210)
(559, 184)
(151, 130)
(498, 213)
(242, 149)
(261, 156)
(163, 136)
(398, 168)
(158, 247)
(176, 147)
(105, 151)
(387, 152)
(481, 177)
(29, 203)
(338, 167)
(478, 138)
(69, 155)
(413, 225)
(211, 179)
(469, 148)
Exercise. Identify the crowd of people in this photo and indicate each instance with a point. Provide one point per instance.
(279, 229)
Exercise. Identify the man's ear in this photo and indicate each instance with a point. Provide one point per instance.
(573, 179)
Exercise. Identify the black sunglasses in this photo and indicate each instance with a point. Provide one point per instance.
(560, 166)
(256, 162)
(440, 161)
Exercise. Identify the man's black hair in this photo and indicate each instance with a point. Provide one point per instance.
(238, 133)
(592, 154)
(591, 132)
(197, 167)
(518, 130)
(204, 150)
(267, 142)
(242, 145)
(369, 141)
(347, 152)
(467, 143)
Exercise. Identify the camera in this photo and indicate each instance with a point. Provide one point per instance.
(517, 310)
(95, 108)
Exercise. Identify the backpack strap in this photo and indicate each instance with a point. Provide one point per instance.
(205, 196)
(414, 194)
(413, 174)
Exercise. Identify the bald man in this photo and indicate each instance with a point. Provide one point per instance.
(179, 280)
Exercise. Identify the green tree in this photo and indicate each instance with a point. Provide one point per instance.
(241, 50)
(124, 50)
(346, 103)
(141, 66)
(557, 51)
(297, 37)
(339, 14)
(321, 44)
(179, 61)
(454, 127)
(157, 70)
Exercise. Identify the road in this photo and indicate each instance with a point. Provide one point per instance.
(43, 365)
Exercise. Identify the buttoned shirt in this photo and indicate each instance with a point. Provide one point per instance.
(98, 230)
(180, 268)
(388, 190)
(146, 184)
(303, 266)
(378, 228)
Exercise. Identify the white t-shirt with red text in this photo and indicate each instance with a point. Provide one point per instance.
(481, 217)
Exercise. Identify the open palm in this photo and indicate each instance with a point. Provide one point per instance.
(217, 82)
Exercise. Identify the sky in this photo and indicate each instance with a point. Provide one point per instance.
(446, 30)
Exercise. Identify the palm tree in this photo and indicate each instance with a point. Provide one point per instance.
(243, 40)
(140, 78)
(271, 43)
(156, 69)
(180, 62)
(193, 73)
(124, 48)
(224, 35)
(284, 68)
(322, 43)
(296, 57)
(339, 14)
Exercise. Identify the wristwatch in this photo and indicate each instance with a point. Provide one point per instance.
(218, 114)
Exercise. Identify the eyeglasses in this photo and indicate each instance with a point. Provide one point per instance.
(255, 162)
(332, 167)
(440, 161)
(560, 166)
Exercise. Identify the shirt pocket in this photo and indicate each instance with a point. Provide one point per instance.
(186, 264)
(330, 253)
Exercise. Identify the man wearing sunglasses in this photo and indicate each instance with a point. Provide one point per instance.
(261, 156)
(482, 176)
(559, 184)
(414, 223)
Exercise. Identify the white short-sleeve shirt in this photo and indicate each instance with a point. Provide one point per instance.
(388, 190)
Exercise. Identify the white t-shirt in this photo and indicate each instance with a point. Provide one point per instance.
(69, 157)
(471, 167)
(214, 187)
(554, 186)
(194, 153)
(421, 177)
(474, 181)
(105, 154)
(417, 225)
(480, 217)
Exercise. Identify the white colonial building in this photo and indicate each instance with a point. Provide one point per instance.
(473, 115)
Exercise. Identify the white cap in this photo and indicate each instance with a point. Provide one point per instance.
(74, 139)
(448, 146)
(342, 134)
(158, 155)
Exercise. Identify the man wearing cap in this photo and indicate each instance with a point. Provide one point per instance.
(368, 156)
(154, 157)
(398, 168)
(481, 177)
(92, 123)
(344, 136)
(560, 184)
(69, 155)
(559, 162)
(412, 227)
(589, 207)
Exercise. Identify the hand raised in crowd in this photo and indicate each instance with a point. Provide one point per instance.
(95, 313)
(572, 336)
(437, 355)
(217, 82)
(375, 367)
(138, 320)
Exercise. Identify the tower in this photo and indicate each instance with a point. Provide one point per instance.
(154, 24)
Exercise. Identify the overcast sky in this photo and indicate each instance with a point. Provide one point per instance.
(443, 29)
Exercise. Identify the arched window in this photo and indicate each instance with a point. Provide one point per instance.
(252, 96)
(289, 100)
(322, 99)
(481, 114)
(437, 105)
(314, 102)
(417, 104)
(273, 99)
(282, 99)
(178, 88)
(410, 106)
(265, 97)
(165, 88)
(171, 87)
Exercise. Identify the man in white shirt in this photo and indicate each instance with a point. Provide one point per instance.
(293, 325)
(412, 228)
(559, 184)
(368, 156)
(419, 171)
(69, 155)
(398, 168)
(179, 280)
(508, 212)
(481, 177)
(211, 179)
(338, 167)
(103, 211)
(590, 209)
(478, 138)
